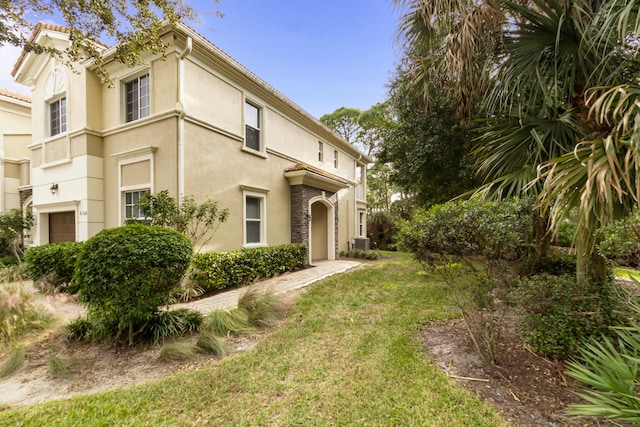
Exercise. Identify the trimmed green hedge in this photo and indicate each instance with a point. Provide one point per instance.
(222, 270)
(57, 260)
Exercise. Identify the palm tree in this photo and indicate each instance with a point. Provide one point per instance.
(538, 67)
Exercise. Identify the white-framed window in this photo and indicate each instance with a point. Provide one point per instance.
(255, 218)
(335, 159)
(320, 151)
(58, 116)
(135, 178)
(130, 200)
(137, 98)
(252, 126)
(361, 224)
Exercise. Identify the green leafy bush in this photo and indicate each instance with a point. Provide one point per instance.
(54, 263)
(360, 254)
(559, 314)
(198, 221)
(558, 262)
(125, 274)
(620, 241)
(566, 231)
(497, 230)
(382, 229)
(222, 270)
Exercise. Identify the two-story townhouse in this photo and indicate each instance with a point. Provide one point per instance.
(194, 122)
(15, 139)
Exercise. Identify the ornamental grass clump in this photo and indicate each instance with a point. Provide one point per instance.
(224, 323)
(18, 314)
(263, 309)
(210, 343)
(14, 359)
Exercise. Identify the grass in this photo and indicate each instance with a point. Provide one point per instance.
(19, 316)
(224, 323)
(626, 273)
(59, 367)
(210, 343)
(346, 355)
(13, 360)
(179, 350)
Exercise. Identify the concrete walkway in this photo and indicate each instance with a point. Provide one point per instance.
(277, 285)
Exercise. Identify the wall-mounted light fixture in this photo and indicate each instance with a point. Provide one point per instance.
(307, 217)
(54, 189)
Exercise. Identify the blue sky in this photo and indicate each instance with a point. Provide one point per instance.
(320, 54)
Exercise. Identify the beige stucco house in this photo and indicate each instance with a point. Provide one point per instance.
(195, 123)
(15, 139)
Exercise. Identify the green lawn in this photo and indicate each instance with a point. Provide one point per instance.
(627, 273)
(346, 355)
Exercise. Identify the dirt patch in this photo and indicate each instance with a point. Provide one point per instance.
(88, 367)
(528, 390)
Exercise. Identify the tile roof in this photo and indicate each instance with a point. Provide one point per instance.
(15, 95)
(314, 170)
(39, 27)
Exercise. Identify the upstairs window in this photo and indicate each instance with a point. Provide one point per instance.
(335, 159)
(320, 151)
(58, 116)
(137, 99)
(252, 126)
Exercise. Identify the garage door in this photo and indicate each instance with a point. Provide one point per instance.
(62, 227)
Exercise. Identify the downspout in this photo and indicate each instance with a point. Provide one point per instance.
(180, 109)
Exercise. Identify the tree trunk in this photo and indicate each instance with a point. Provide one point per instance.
(590, 266)
(541, 234)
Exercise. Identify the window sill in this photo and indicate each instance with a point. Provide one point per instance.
(254, 152)
(254, 245)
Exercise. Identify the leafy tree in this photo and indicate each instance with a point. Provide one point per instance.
(13, 225)
(428, 154)
(363, 129)
(198, 222)
(134, 25)
(344, 121)
(534, 65)
(380, 188)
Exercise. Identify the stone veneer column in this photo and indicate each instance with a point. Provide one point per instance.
(300, 197)
(24, 195)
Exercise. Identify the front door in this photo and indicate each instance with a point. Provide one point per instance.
(319, 232)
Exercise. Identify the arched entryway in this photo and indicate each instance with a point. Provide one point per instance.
(319, 232)
(322, 229)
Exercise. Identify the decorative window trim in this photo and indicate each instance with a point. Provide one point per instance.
(262, 196)
(127, 160)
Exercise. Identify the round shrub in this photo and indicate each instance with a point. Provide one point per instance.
(125, 274)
